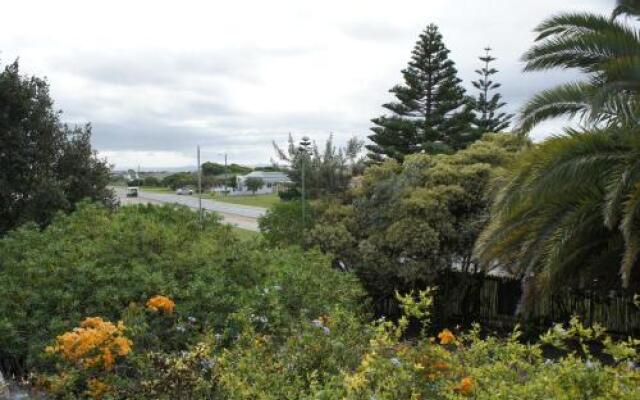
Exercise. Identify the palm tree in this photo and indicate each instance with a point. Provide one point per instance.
(627, 7)
(606, 49)
(568, 212)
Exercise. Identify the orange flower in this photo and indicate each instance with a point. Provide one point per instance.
(446, 337)
(123, 345)
(465, 387)
(161, 303)
(93, 342)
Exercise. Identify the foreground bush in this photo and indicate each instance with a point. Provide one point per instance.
(142, 304)
(336, 356)
(97, 263)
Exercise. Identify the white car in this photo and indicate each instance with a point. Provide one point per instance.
(184, 191)
(132, 191)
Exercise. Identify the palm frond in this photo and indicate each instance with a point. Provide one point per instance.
(626, 8)
(574, 24)
(630, 228)
(569, 100)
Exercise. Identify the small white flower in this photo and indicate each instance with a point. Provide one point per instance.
(181, 328)
(277, 287)
(395, 361)
(317, 323)
(326, 330)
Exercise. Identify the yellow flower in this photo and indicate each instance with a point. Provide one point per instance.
(465, 387)
(355, 382)
(446, 337)
(161, 303)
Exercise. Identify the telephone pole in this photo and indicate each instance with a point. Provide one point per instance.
(226, 175)
(199, 189)
(302, 197)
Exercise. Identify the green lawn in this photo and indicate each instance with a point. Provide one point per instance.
(258, 200)
(156, 189)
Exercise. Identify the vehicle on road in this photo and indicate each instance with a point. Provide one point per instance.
(184, 191)
(132, 191)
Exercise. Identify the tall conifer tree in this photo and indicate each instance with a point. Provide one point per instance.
(488, 117)
(432, 113)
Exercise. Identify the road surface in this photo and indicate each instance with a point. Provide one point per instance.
(245, 217)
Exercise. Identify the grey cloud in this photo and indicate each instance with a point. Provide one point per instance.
(201, 88)
(376, 31)
(172, 68)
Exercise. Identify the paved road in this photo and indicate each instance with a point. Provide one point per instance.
(245, 217)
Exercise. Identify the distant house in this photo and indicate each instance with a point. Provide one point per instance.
(273, 182)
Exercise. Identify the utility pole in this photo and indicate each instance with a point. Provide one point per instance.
(304, 153)
(199, 189)
(302, 197)
(226, 175)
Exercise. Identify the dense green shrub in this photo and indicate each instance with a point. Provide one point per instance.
(405, 223)
(81, 309)
(282, 225)
(99, 263)
(289, 193)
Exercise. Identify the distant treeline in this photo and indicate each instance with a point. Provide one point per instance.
(213, 174)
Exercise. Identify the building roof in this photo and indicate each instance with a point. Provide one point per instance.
(267, 175)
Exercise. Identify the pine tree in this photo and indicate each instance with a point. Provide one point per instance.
(488, 119)
(432, 113)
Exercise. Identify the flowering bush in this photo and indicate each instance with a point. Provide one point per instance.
(239, 321)
(336, 355)
(88, 352)
(95, 262)
(95, 342)
(384, 366)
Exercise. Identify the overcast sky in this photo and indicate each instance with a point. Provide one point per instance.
(156, 78)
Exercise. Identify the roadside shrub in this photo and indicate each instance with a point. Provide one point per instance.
(283, 226)
(289, 194)
(110, 264)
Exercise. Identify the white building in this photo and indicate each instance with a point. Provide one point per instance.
(273, 182)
